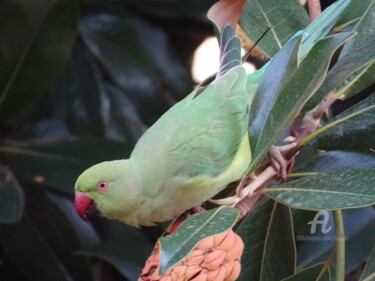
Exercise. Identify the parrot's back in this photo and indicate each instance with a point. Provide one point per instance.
(200, 145)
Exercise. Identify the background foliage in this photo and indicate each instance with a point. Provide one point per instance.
(81, 81)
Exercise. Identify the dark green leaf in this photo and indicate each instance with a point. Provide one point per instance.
(353, 12)
(331, 160)
(133, 240)
(44, 130)
(11, 197)
(65, 93)
(369, 271)
(257, 16)
(284, 81)
(179, 244)
(364, 28)
(58, 229)
(318, 272)
(33, 256)
(117, 255)
(322, 25)
(358, 236)
(36, 38)
(109, 32)
(354, 129)
(355, 56)
(9, 271)
(88, 112)
(59, 163)
(171, 73)
(357, 81)
(115, 44)
(317, 247)
(125, 122)
(363, 77)
(262, 104)
(314, 247)
(267, 233)
(337, 189)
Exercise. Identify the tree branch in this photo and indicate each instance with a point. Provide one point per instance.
(340, 245)
(314, 9)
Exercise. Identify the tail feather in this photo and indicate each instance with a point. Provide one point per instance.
(230, 50)
(230, 56)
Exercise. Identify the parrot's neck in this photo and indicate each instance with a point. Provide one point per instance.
(125, 193)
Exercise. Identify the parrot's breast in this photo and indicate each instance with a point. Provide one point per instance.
(181, 194)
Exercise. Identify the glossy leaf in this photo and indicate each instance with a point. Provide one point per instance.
(88, 111)
(354, 129)
(318, 272)
(23, 254)
(171, 75)
(58, 231)
(354, 57)
(44, 130)
(11, 197)
(284, 80)
(363, 77)
(257, 16)
(353, 12)
(108, 31)
(115, 43)
(357, 248)
(332, 160)
(117, 255)
(36, 39)
(368, 273)
(267, 233)
(133, 240)
(337, 189)
(363, 27)
(313, 246)
(124, 119)
(64, 93)
(59, 163)
(177, 245)
(357, 81)
(320, 26)
(317, 247)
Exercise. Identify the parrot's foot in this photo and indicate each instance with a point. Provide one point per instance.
(245, 197)
(279, 162)
(232, 200)
(246, 203)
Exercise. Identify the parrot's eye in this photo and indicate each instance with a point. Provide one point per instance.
(102, 185)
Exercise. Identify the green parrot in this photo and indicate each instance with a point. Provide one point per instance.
(191, 153)
(194, 150)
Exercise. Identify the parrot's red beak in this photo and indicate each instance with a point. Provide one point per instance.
(84, 205)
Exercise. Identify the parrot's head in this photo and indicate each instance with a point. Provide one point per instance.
(108, 188)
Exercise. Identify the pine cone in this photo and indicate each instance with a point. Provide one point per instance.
(215, 258)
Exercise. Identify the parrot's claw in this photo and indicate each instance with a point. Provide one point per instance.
(243, 203)
(246, 203)
(278, 161)
(245, 196)
(229, 201)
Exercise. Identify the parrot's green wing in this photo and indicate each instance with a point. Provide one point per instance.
(216, 120)
(214, 127)
(202, 134)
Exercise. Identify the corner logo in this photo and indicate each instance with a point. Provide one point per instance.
(322, 218)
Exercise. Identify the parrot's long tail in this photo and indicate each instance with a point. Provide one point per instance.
(230, 50)
(230, 56)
